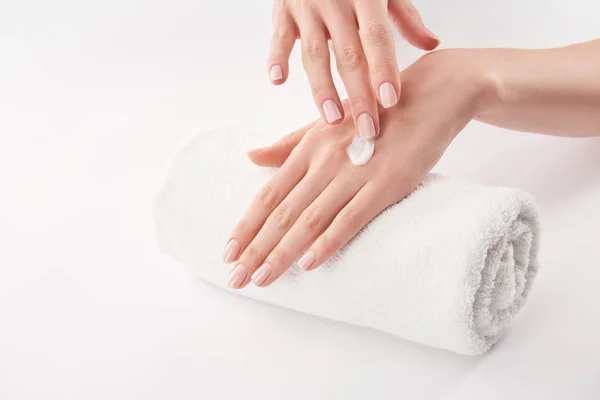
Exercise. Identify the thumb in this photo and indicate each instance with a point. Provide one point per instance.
(276, 154)
(408, 22)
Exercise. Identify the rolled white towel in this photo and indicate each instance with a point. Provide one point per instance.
(449, 266)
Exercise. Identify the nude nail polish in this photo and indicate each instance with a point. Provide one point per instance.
(307, 260)
(276, 73)
(237, 276)
(366, 126)
(387, 94)
(231, 251)
(261, 275)
(331, 111)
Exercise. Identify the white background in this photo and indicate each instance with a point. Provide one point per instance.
(95, 97)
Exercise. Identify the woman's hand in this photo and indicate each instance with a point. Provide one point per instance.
(318, 200)
(363, 59)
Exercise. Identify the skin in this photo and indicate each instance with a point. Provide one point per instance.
(363, 47)
(317, 200)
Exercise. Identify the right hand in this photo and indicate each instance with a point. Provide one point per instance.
(364, 51)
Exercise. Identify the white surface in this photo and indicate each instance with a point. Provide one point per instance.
(91, 310)
(454, 262)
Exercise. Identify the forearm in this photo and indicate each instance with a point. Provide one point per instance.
(551, 91)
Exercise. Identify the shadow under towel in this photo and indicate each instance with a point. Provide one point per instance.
(449, 266)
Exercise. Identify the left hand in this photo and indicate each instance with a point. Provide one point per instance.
(318, 200)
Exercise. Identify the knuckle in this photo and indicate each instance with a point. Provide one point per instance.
(267, 197)
(311, 218)
(282, 217)
(411, 12)
(320, 89)
(313, 136)
(253, 256)
(359, 101)
(283, 34)
(383, 66)
(350, 217)
(350, 59)
(312, 50)
(278, 257)
(324, 157)
(377, 33)
(394, 188)
(326, 244)
(333, 149)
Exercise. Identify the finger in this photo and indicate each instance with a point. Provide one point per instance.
(378, 43)
(276, 154)
(354, 71)
(311, 223)
(283, 39)
(408, 22)
(365, 206)
(277, 225)
(315, 58)
(263, 204)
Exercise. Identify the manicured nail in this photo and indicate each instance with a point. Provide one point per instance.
(387, 94)
(237, 276)
(231, 251)
(366, 126)
(262, 274)
(307, 260)
(331, 111)
(276, 73)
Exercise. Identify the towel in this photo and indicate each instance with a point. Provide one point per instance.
(449, 266)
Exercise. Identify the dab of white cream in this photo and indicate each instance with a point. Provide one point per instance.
(360, 150)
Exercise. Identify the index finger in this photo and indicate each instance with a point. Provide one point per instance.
(263, 204)
(354, 71)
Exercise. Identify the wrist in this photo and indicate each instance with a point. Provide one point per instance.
(510, 78)
(472, 76)
(489, 80)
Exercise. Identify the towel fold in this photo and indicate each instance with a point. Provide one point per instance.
(449, 266)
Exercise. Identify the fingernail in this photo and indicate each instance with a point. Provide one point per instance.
(237, 276)
(262, 274)
(307, 260)
(331, 111)
(388, 95)
(366, 126)
(231, 250)
(276, 73)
